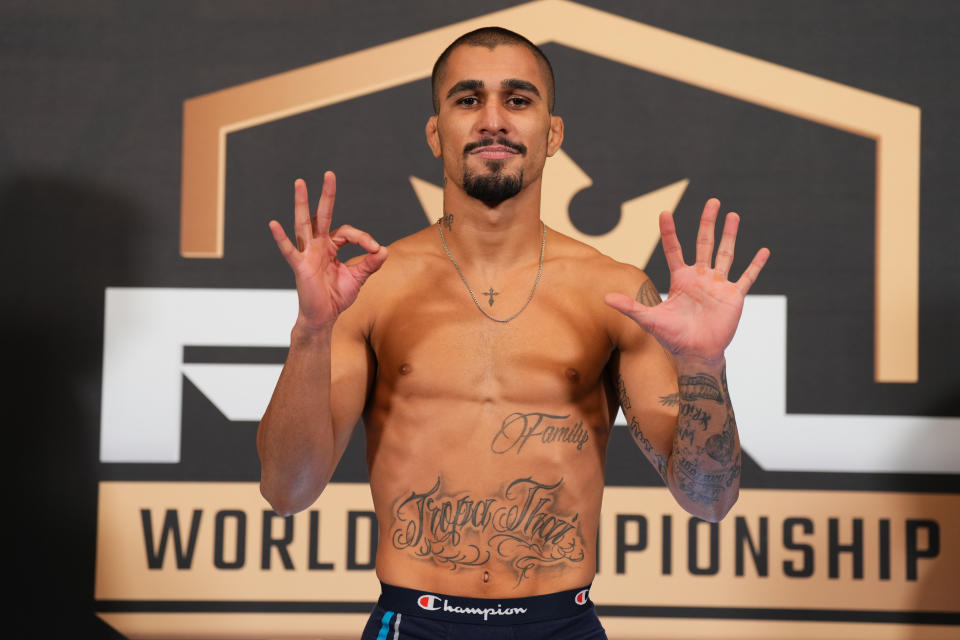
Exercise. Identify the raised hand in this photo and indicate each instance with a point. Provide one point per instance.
(702, 311)
(325, 286)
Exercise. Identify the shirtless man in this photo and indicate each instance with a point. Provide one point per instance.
(488, 365)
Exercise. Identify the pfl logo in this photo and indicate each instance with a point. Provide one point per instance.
(429, 602)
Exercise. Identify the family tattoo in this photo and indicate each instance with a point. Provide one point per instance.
(521, 526)
(519, 428)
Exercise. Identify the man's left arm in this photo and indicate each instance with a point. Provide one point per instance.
(704, 467)
(695, 445)
(679, 414)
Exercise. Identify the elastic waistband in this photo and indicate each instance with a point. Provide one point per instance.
(490, 611)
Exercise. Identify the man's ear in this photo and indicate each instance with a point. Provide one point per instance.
(555, 137)
(433, 137)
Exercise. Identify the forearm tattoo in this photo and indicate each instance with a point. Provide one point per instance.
(670, 400)
(622, 393)
(706, 466)
(658, 460)
(705, 462)
(521, 526)
(701, 386)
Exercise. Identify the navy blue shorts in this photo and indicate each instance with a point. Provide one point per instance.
(410, 614)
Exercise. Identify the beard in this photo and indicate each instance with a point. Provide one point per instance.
(494, 187)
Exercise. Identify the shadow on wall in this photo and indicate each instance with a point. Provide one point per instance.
(62, 243)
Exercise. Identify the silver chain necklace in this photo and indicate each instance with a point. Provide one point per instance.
(543, 244)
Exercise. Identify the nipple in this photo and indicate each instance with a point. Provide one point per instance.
(573, 374)
(405, 369)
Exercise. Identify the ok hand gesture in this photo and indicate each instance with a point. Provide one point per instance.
(702, 311)
(325, 286)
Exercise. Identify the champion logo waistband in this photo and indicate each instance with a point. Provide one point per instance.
(492, 611)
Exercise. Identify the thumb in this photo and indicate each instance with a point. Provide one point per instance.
(639, 313)
(370, 263)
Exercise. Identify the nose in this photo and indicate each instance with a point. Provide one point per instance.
(492, 119)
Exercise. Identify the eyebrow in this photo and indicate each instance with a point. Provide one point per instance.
(520, 85)
(511, 83)
(465, 85)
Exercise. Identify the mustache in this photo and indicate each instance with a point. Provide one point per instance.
(501, 141)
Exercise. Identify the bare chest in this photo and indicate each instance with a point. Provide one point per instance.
(443, 346)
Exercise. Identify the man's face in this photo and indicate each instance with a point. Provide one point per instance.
(493, 130)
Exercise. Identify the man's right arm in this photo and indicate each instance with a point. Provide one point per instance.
(303, 432)
(305, 428)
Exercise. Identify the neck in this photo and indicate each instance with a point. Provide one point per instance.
(495, 238)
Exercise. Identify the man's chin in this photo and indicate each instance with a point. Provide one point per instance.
(492, 189)
(495, 166)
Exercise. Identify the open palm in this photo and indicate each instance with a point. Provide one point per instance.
(702, 310)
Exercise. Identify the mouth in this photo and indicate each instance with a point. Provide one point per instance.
(495, 152)
(490, 149)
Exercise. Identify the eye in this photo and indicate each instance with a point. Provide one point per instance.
(518, 101)
(468, 101)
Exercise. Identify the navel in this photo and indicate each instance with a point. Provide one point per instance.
(405, 369)
(486, 576)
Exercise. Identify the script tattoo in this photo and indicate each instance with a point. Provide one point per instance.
(700, 486)
(622, 393)
(447, 219)
(648, 449)
(694, 413)
(518, 527)
(655, 458)
(517, 428)
(648, 295)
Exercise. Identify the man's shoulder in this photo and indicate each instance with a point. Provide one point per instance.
(410, 259)
(588, 275)
(406, 256)
(592, 266)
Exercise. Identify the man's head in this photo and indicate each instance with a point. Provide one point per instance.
(491, 37)
(494, 127)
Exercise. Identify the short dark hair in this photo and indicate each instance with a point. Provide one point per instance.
(491, 38)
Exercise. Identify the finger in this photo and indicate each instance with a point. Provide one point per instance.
(302, 228)
(671, 244)
(287, 250)
(347, 233)
(325, 207)
(370, 263)
(753, 270)
(708, 220)
(728, 241)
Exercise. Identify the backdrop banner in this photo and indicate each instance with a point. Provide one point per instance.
(144, 147)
